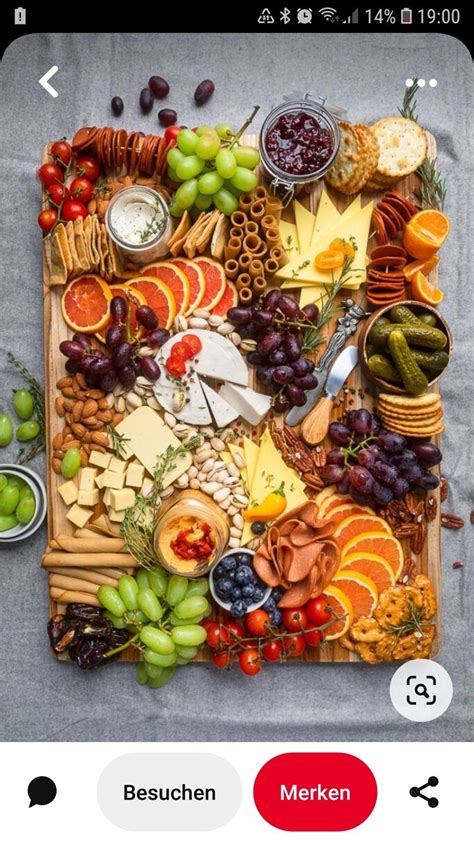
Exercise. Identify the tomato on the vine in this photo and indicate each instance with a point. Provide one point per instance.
(88, 167)
(193, 342)
(71, 210)
(294, 645)
(234, 628)
(217, 635)
(49, 173)
(46, 219)
(317, 610)
(313, 637)
(294, 619)
(61, 152)
(221, 659)
(272, 650)
(81, 188)
(257, 622)
(172, 132)
(57, 193)
(249, 661)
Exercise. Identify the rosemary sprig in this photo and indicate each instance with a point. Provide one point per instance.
(39, 444)
(432, 190)
(413, 624)
(312, 333)
(408, 108)
(117, 441)
(155, 225)
(289, 244)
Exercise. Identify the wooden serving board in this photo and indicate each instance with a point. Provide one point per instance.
(427, 562)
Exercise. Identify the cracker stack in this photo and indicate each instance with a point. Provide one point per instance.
(356, 161)
(417, 417)
(80, 247)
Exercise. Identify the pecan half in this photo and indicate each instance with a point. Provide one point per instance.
(417, 541)
(319, 457)
(443, 489)
(406, 530)
(431, 508)
(451, 521)
(456, 565)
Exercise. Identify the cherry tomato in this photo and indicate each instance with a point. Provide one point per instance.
(181, 351)
(193, 342)
(175, 366)
(46, 219)
(272, 650)
(294, 645)
(172, 132)
(221, 660)
(317, 611)
(72, 209)
(217, 635)
(61, 152)
(294, 619)
(49, 173)
(88, 167)
(257, 622)
(234, 628)
(57, 193)
(312, 637)
(81, 188)
(249, 662)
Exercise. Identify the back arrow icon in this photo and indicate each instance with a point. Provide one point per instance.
(44, 81)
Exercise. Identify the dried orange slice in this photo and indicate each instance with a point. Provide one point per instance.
(361, 591)
(85, 304)
(356, 525)
(425, 266)
(341, 607)
(175, 278)
(422, 290)
(329, 259)
(425, 233)
(136, 299)
(158, 296)
(371, 565)
(379, 543)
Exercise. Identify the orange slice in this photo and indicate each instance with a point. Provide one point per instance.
(356, 525)
(422, 290)
(228, 300)
(425, 266)
(136, 299)
(339, 513)
(85, 304)
(331, 501)
(425, 233)
(361, 591)
(197, 283)
(371, 565)
(158, 296)
(175, 279)
(341, 605)
(379, 543)
(323, 495)
(215, 280)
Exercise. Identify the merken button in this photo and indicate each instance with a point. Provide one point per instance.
(315, 791)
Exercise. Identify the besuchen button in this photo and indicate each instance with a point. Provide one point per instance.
(315, 791)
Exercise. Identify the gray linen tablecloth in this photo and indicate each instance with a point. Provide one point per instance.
(41, 699)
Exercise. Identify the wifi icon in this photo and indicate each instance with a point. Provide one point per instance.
(327, 12)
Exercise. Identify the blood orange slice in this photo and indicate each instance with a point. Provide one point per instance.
(379, 543)
(339, 513)
(228, 300)
(356, 525)
(158, 296)
(175, 279)
(85, 304)
(197, 283)
(361, 591)
(341, 607)
(136, 299)
(215, 280)
(371, 565)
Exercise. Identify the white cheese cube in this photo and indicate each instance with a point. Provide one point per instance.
(68, 492)
(88, 498)
(117, 517)
(106, 498)
(110, 479)
(135, 474)
(119, 466)
(101, 460)
(78, 516)
(122, 499)
(99, 481)
(87, 478)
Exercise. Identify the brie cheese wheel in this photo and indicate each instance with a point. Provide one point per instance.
(251, 405)
(223, 413)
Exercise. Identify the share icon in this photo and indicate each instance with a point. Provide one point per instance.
(417, 791)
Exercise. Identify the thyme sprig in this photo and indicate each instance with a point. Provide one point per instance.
(156, 223)
(117, 441)
(37, 393)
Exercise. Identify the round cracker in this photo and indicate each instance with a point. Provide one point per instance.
(420, 400)
(347, 159)
(403, 146)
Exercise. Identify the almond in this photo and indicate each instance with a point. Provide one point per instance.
(98, 447)
(68, 418)
(64, 382)
(106, 416)
(77, 410)
(57, 441)
(69, 404)
(68, 437)
(89, 409)
(78, 430)
(95, 394)
(84, 458)
(87, 437)
(69, 444)
(75, 386)
(59, 407)
(100, 438)
(58, 454)
(81, 395)
(56, 465)
(117, 418)
(68, 392)
(91, 421)
(81, 380)
(66, 430)
(103, 403)
(86, 448)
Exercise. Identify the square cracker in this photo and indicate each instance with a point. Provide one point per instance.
(59, 273)
(61, 234)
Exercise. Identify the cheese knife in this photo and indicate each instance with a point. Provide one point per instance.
(316, 423)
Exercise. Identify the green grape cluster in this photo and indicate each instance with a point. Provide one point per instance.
(163, 613)
(210, 170)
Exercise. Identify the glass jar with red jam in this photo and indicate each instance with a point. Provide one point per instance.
(299, 142)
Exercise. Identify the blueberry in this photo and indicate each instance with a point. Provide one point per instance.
(277, 594)
(229, 563)
(249, 600)
(258, 594)
(248, 590)
(269, 605)
(231, 575)
(238, 608)
(224, 586)
(218, 572)
(244, 575)
(244, 558)
(276, 617)
(258, 528)
(236, 593)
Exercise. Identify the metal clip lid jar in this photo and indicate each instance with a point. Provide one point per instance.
(299, 141)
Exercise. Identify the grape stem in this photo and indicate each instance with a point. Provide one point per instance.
(124, 646)
(244, 126)
(351, 452)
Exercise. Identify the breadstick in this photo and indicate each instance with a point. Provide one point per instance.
(251, 227)
(61, 559)
(72, 584)
(88, 575)
(96, 544)
(257, 210)
(68, 597)
(245, 260)
(238, 219)
(251, 243)
(260, 193)
(271, 266)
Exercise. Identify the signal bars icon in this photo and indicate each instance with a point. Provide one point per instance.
(353, 18)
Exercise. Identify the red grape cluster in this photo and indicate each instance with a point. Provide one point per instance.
(277, 323)
(123, 362)
(375, 465)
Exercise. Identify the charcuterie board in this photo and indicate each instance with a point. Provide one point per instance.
(75, 547)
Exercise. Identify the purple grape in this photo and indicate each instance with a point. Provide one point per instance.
(292, 347)
(146, 100)
(127, 376)
(339, 433)
(147, 317)
(362, 422)
(400, 487)
(281, 404)
(277, 357)
(158, 337)
(254, 358)
(335, 457)
(361, 479)
(204, 91)
(249, 331)
(385, 472)
(159, 86)
(87, 362)
(311, 311)
(72, 366)
(118, 309)
(265, 375)
(270, 301)
(82, 339)
(283, 374)
(116, 105)
(239, 315)
(150, 368)
(376, 424)
(101, 365)
(350, 418)
(115, 335)
(427, 453)
(302, 366)
(288, 306)
(428, 482)
(295, 395)
(108, 381)
(412, 474)
(71, 350)
(344, 484)
(167, 116)
(137, 366)
(121, 355)
(263, 318)
(308, 381)
(359, 496)
(332, 473)
(270, 342)
(391, 442)
(381, 493)
(92, 379)
(403, 460)
(369, 455)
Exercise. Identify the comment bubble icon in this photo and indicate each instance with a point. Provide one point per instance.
(41, 791)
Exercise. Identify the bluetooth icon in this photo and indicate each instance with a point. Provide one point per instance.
(285, 15)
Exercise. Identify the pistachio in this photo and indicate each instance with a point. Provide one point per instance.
(203, 448)
(240, 500)
(220, 466)
(225, 329)
(170, 420)
(235, 533)
(248, 345)
(202, 477)
(191, 434)
(192, 472)
(178, 400)
(226, 504)
(231, 482)
(208, 465)
(147, 488)
(233, 470)
(144, 383)
(232, 510)
(238, 521)
(153, 403)
(218, 476)
(133, 400)
(239, 460)
(182, 481)
(120, 404)
(210, 487)
(139, 390)
(201, 458)
(215, 321)
(208, 432)
(194, 483)
(110, 401)
(146, 351)
(201, 313)
(182, 323)
(167, 492)
(217, 444)
(197, 323)
(235, 338)
(234, 543)
(221, 495)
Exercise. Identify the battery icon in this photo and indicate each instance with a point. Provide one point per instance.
(406, 16)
